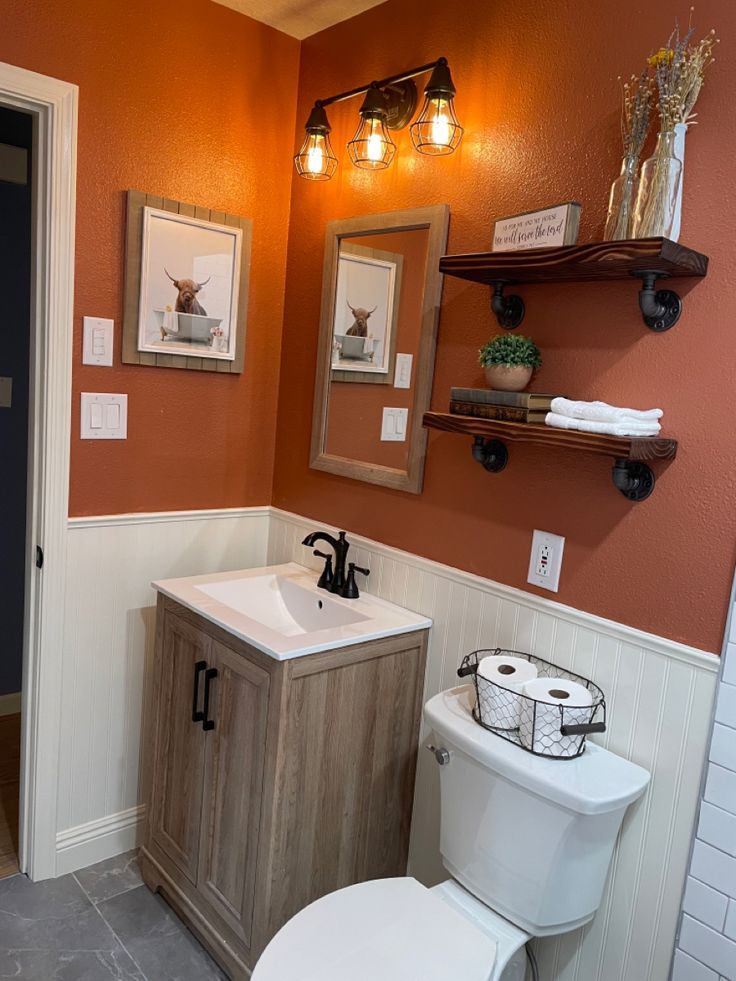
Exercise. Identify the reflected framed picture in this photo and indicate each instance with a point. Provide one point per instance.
(367, 295)
(186, 286)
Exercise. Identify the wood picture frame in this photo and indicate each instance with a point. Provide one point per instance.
(435, 219)
(137, 202)
(373, 377)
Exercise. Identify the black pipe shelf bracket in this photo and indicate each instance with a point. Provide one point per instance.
(647, 259)
(631, 473)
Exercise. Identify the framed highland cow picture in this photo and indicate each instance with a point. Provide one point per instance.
(365, 316)
(186, 286)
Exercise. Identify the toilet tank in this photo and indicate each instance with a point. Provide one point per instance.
(531, 837)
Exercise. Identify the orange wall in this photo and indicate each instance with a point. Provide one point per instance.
(190, 100)
(537, 93)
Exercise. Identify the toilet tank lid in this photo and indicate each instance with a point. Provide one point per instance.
(594, 783)
(392, 929)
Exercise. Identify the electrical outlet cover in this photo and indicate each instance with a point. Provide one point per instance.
(545, 561)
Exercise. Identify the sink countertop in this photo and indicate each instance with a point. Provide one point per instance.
(280, 610)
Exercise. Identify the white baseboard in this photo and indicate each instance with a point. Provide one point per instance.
(10, 704)
(76, 848)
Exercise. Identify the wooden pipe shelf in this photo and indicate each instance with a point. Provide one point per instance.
(647, 259)
(632, 475)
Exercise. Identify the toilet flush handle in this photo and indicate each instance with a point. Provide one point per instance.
(440, 754)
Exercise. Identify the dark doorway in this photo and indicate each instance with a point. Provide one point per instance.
(16, 135)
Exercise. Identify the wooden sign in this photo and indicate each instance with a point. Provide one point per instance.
(544, 229)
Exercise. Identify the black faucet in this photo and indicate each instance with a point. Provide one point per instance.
(340, 546)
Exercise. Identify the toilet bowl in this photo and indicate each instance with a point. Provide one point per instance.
(395, 930)
(527, 841)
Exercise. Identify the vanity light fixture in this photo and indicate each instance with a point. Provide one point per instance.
(387, 104)
(437, 130)
(316, 160)
(372, 147)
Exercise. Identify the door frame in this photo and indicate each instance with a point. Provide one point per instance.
(53, 105)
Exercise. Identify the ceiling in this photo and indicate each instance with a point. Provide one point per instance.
(300, 18)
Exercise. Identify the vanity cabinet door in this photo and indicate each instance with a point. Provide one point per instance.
(233, 779)
(179, 747)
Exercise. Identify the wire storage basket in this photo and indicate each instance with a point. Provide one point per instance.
(544, 726)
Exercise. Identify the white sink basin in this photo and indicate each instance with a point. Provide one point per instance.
(280, 610)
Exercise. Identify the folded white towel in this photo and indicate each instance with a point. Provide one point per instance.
(622, 428)
(603, 412)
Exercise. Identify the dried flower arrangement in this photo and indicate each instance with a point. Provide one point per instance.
(636, 106)
(679, 72)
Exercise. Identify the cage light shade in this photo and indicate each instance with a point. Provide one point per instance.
(316, 160)
(372, 147)
(436, 130)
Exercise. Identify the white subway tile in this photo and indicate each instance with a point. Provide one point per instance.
(726, 705)
(686, 968)
(705, 904)
(730, 926)
(717, 827)
(723, 746)
(732, 628)
(720, 788)
(729, 660)
(714, 867)
(709, 947)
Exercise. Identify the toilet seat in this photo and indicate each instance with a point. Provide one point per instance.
(387, 929)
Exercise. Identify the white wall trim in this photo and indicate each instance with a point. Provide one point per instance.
(619, 631)
(10, 703)
(53, 104)
(156, 517)
(86, 844)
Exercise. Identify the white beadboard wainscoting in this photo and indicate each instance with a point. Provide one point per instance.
(659, 696)
(108, 635)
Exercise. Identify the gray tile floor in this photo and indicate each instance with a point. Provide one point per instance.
(100, 924)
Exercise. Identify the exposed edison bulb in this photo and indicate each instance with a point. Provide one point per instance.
(437, 130)
(441, 132)
(372, 148)
(315, 160)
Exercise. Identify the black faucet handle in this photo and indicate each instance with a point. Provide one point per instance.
(350, 589)
(325, 580)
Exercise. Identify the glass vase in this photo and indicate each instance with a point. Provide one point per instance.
(621, 202)
(657, 195)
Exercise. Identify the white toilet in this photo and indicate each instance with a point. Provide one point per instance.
(527, 841)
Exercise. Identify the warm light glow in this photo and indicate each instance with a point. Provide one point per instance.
(316, 157)
(316, 161)
(441, 133)
(371, 148)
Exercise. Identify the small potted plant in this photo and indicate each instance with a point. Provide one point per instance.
(510, 360)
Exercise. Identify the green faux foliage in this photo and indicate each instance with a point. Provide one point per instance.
(510, 349)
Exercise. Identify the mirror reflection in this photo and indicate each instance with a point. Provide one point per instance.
(377, 319)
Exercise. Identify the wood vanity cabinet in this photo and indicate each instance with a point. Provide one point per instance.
(271, 783)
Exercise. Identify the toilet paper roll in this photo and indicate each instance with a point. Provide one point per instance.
(540, 718)
(500, 707)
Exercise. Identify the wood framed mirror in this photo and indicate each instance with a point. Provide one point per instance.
(381, 291)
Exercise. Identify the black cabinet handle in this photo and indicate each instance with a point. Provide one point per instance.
(207, 723)
(199, 667)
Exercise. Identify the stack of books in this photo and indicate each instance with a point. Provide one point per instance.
(486, 403)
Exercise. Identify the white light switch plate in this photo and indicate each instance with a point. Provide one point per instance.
(97, 343)
(402, 372)
(104, 416)
(393, 429)
(545, 561)
(6, 393)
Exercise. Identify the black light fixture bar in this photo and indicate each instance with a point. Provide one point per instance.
(381, 83)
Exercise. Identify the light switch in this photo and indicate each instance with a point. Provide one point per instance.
(402, 371)
(6, 393)
(104, 416)
(97, 345)
(393, 428)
